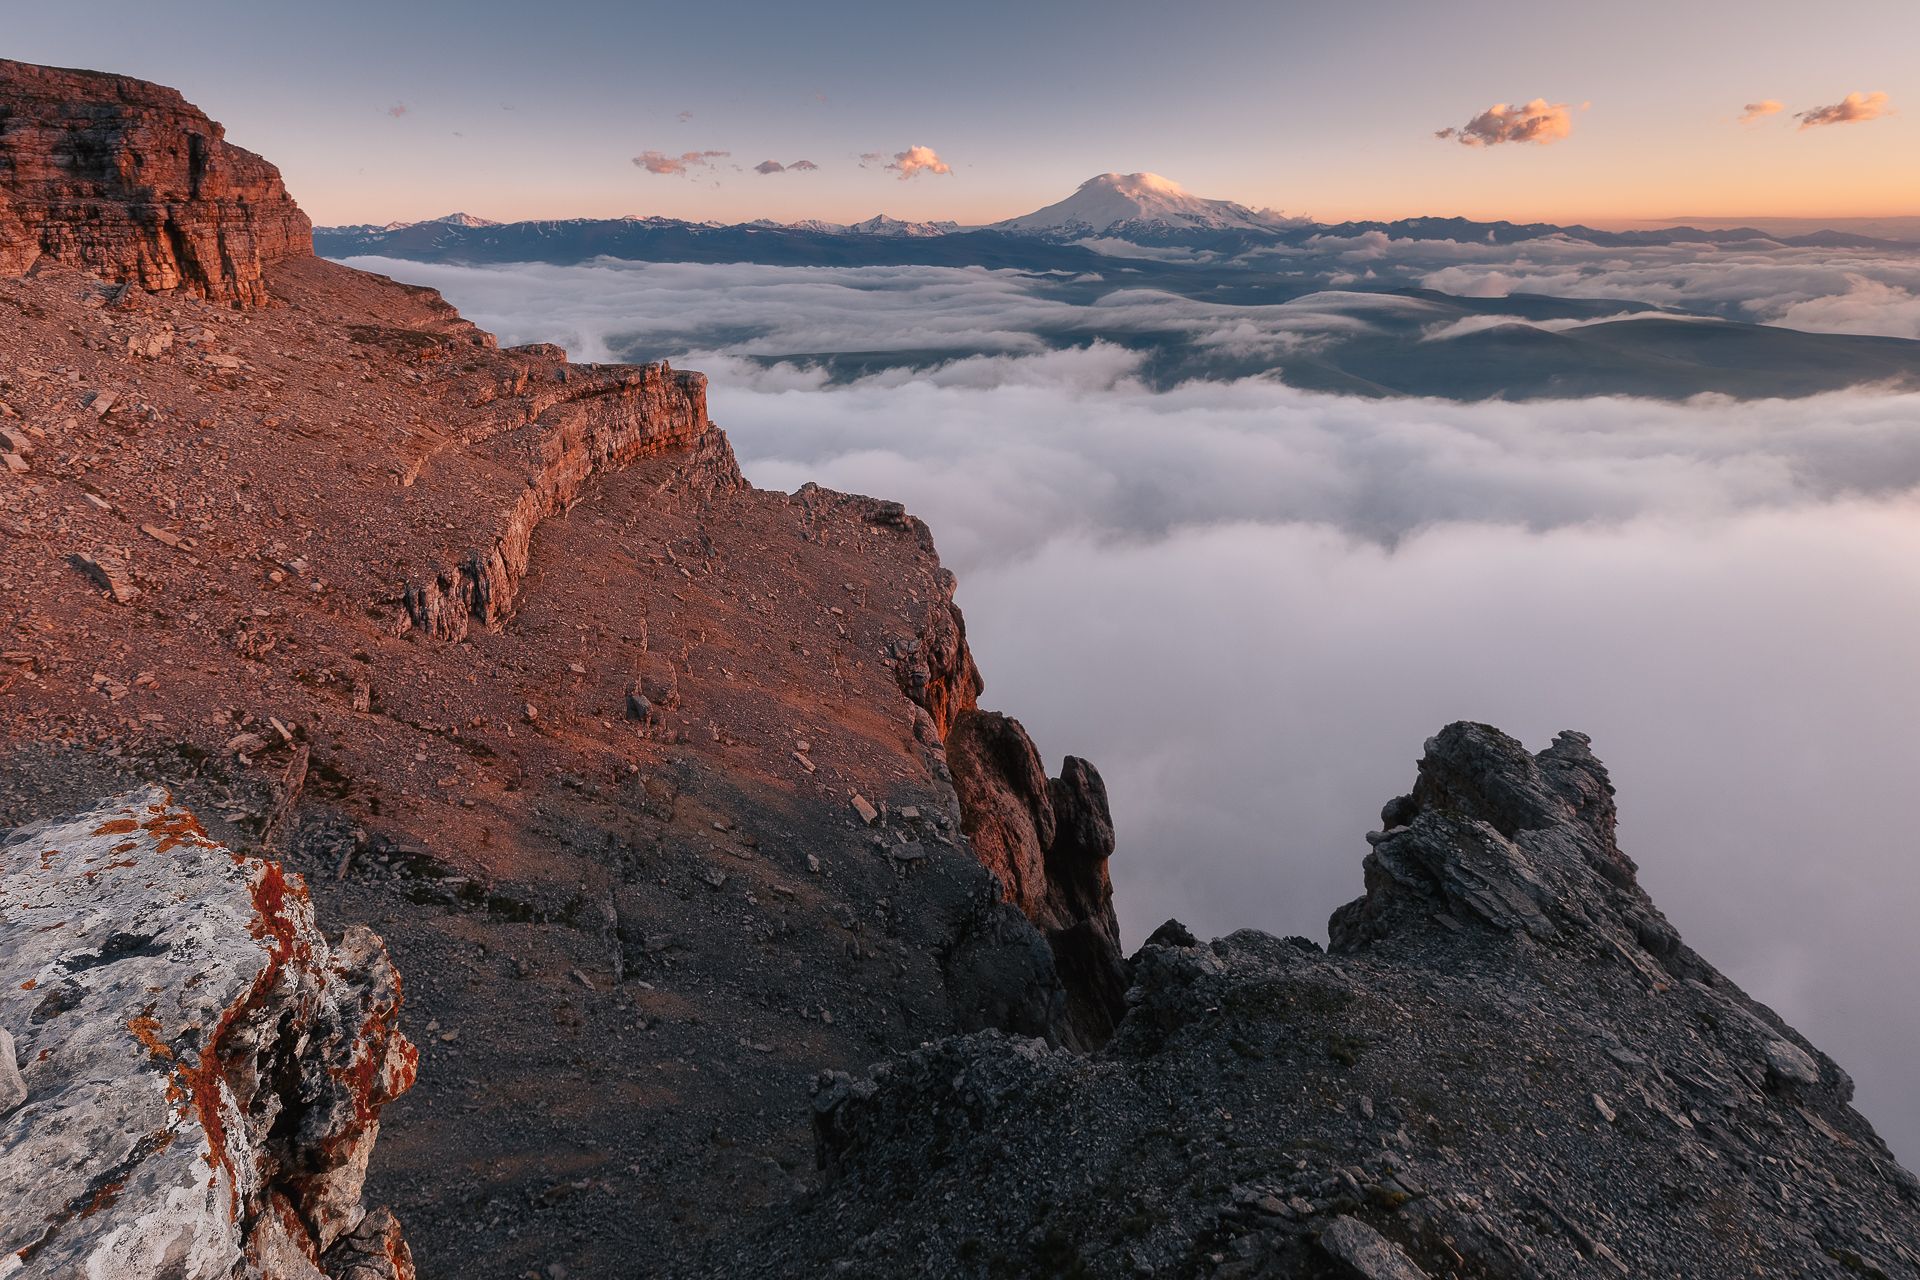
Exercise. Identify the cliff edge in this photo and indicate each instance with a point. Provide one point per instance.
(641, 773)
(1506, 1064)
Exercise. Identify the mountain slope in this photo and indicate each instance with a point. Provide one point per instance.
(1113, 203)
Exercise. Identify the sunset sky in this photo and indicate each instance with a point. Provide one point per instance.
(403, 111)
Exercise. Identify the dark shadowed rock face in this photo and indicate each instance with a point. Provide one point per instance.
(1048, 840)
(1508, 1066)
(127, 180)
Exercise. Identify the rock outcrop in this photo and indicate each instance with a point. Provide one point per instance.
(1507, 1066)
(1048, 840)
(639, 770)
(574, 428)
(202, 1075)
(124, 179)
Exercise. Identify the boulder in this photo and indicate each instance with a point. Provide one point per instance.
(204, 1071)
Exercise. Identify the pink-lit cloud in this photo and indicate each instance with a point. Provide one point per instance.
(1761, 110)
(397, 110)
(916, 160)
(662, 163)
(1852, 109)
(1538, 121)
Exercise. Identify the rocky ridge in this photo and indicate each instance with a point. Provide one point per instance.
(640, 772)
(1506, 1064)
(201, 1075)
(125, 179)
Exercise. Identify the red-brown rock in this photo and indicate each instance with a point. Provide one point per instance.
(1049, 841)
(125, 179)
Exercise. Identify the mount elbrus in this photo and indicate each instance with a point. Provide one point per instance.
(671, 801)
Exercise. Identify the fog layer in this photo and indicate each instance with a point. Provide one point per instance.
(1249, 605)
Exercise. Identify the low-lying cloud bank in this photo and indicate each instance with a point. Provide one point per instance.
(1249, 605)
(1867, 290)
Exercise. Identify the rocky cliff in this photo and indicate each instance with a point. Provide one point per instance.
(124, 179)
(668, 795)
(1505, 1065)
(642, 773)
(1048, 841)
(191, 1077)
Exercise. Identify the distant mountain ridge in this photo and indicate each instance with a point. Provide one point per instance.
(1138, 208)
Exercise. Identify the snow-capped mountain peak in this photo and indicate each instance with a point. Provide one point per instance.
(1119, 200)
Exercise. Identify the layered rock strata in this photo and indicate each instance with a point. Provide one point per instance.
(576, 427)
(124, 179)
(200, 1073)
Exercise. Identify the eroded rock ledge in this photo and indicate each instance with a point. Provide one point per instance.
(1507, 1065)
(124, 179)
(571, 425)
(198, 1074)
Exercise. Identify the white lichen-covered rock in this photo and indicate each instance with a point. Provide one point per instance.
(203, 1073)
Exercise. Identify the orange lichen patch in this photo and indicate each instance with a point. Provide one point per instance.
(117, 827)
(106, 1195)
(384, 1066)
(173, 829)
(125, 845)
(200, 1092)
(30, 984)
(270, 920)
(296, 1230)
(146, 1029)
(199, 1085)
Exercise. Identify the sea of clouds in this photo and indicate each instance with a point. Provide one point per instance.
(1860, 290)
(1249, 604)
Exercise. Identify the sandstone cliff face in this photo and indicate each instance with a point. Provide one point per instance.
(124, 179)
(200, 1074)
(1506, 1066)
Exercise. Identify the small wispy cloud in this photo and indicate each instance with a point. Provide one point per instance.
(683, 116)
(1539, 121)
(1761, 110)
(1852, 109)
(774, 166)
(868, 159)
(397, 110)
(662, 163)
(917, 160)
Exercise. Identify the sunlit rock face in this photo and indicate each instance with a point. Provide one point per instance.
(199, 1074)
(127, 180)
(1048, 840)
